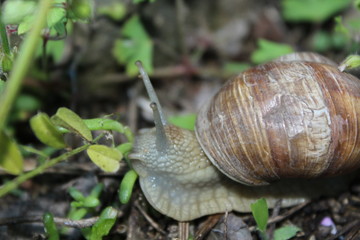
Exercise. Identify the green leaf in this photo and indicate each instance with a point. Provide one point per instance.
(50, 227)
(268, 50)
(126, 186)
(104, 124)
(95, 192)
(60, 29)
(105, 157)
(91, 202)
(235, 67)
(55, 16)
(26, 24)
(66, 118)
(136, 45)
(76, 194)
(350, 63)
(286, 232)
(78, 214)
(186, 121)
(260, 212)
(46, 132)
(11, 159)
(15, 11)
(103, 226)
(311, 10)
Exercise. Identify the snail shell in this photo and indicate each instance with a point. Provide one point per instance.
(282, 119)
(295, 117)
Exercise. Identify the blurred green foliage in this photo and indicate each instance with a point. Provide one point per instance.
(134, 45)
(268, 50)
(311, 10)
(186, 121)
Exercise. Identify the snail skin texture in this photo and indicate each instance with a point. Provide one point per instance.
(289, 122)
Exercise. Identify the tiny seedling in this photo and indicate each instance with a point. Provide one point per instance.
(260, 213)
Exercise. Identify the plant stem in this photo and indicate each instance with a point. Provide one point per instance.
(4, 38)
(22, 62)
(13, 184)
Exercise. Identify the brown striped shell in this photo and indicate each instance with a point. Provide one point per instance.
(284, 119)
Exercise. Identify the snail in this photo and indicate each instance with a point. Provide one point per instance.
(282, 130)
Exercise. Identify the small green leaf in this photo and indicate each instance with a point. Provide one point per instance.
(260, 212)
(11, 159)
(104, 124)
(235, 67)
(15, 11)
(50, 227)
(136, 45)
(286, 232)
(311, 10)
(126, 186)
(186, 121)
(95, 192)
(46, 132)
(55, 16)
(26, 24)
(105, 157)
(76, 194)
(66, 118)
(268, 50)
(350, 63)
(103, 226)
(78, 214)
(91, 202)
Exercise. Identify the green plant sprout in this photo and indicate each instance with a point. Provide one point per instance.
(260, 212)
(83, 205)
(102, 226)
(351, 63)
(50, 227)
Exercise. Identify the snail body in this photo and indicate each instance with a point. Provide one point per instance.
(296, 117)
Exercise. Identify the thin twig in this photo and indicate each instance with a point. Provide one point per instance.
(205, 227)
(149, 219)
(275, 213)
